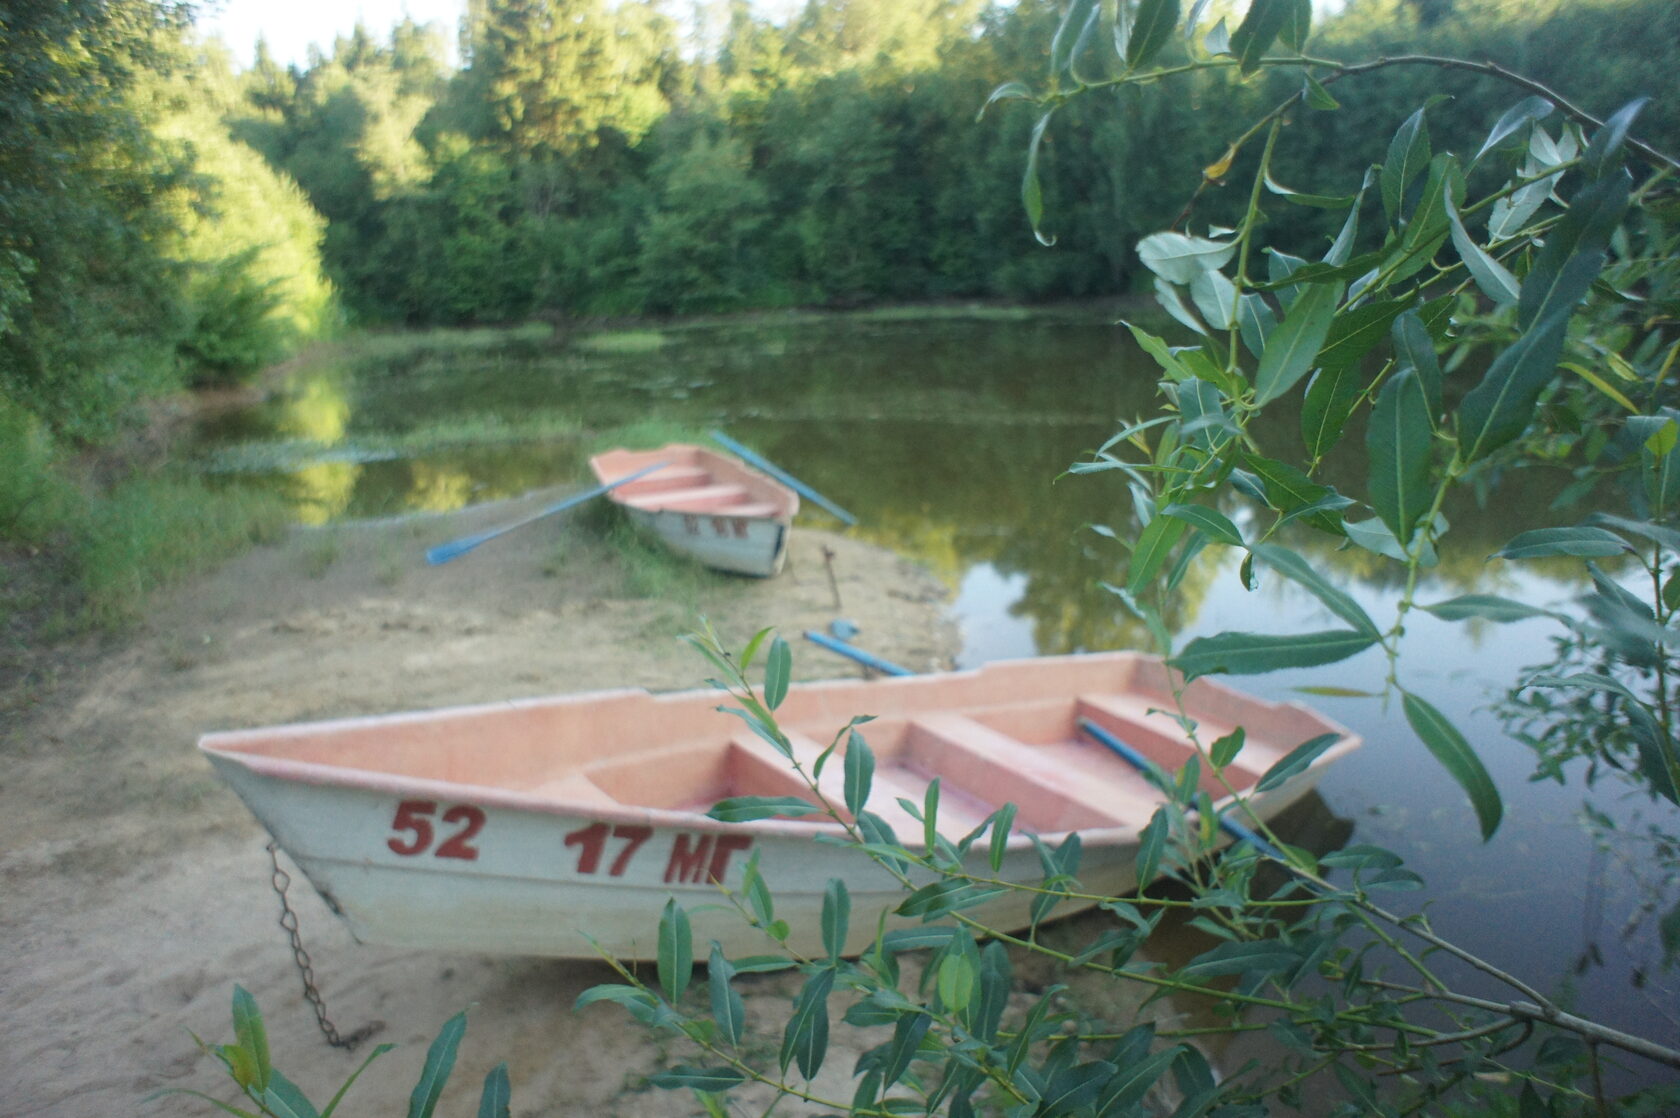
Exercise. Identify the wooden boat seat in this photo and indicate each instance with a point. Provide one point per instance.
(574, 788)
(750, 508)
(1052, 794)
(705, 498)
(663, 481)
(1159, 736)
(832, 782)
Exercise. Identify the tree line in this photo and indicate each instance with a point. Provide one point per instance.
(170, 219)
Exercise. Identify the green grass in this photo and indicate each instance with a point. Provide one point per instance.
(556, 559)
(150, 532)
(81, 557)
(622, 341)
(402, 343)
(321, 553)
(35, 496)
(647, 434)
(651, 570)
(472, 430)
(934, 312)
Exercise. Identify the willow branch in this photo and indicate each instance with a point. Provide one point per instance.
(1592, 1031)
(1495, 70)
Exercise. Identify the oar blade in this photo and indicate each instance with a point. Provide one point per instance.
(444, 552)
(454, 549)
(781, 475)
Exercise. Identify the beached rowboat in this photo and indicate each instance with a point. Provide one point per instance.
(704, 504)
(530, 827)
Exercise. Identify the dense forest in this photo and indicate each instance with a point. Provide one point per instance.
(169, 219)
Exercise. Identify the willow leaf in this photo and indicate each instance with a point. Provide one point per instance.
(1408, 155)
(1442, 739)
(1398, 442)
(1574, 251)
(1292, 566)
(676, 950)
(1527, 110)
(1255, 653)
(1151, 28)
(1032, 190)
(1294, 345)
(1259, 29)
(1331, 396)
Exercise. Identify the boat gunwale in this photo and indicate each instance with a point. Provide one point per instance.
(786, 499)
(619, 812)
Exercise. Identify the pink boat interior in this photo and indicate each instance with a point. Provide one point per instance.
(1008, 732)
(694, 480)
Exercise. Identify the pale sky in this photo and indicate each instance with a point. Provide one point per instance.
(292, 25)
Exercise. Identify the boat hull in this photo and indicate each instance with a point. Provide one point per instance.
(743, 545)
(708, 506)
(509, 829)
(533, 891)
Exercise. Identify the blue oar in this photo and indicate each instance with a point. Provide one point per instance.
(781, 475)
(1132, 756)
(835, 644)
(444, 552)
(1128, 753)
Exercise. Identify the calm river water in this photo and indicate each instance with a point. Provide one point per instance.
(946, 437)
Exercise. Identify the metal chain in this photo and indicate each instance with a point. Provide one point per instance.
(281, 881)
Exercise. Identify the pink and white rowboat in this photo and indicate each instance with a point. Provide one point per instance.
(704, 504)
(531, 827)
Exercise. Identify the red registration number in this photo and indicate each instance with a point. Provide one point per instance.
(413, 824)
(695, 859)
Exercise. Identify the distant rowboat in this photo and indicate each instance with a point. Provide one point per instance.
(532, 827)
(705, 504)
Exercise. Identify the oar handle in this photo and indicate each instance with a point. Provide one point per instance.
(835, 644)
(782, 476)
(1134, 757)
(454, 549)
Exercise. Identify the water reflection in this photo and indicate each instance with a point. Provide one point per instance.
(321, 492)
(947, 439)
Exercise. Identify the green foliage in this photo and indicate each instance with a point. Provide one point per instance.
(114, 547)
(1450, 317)
(246, 1062)
(581, 164)
(89, 305)
(696, 251)
(150, 532)
(35, 497)
(556, 75)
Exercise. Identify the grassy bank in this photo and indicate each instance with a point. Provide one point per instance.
(82, 553)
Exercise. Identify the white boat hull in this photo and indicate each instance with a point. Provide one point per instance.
(706, 505)
(561, 826)
(525, 889)
(740, 544)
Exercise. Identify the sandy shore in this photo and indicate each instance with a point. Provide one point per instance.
(134, 889)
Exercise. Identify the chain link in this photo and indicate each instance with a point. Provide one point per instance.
(281, 881)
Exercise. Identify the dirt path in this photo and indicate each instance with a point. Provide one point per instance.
(134, 889)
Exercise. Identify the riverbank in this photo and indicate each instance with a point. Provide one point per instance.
(137, 888)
